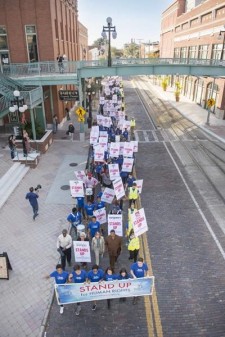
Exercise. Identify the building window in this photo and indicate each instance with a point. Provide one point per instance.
(193, 52)
(217, 51)
(31, 38)
(183, 52)
(56, 30)
(203, 52)
(176, 53)
(4, 51)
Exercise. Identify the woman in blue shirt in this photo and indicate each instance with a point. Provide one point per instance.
(95, 275)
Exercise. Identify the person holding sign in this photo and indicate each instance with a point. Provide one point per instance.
(78, 276)
(139, 269)
(133, 194)
(98, 246)
(95, 275)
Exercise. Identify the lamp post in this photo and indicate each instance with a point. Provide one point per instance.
(220, 38)
(90, 93)
(18, 105)
(109, 29)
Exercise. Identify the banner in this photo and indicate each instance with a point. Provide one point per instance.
(139, 222)
(114, 172)
(127, 164)
(100, 215)
(99, 153)
(83, 292)
(80, 175)
(115, 222)
(128, 149)
(139, 185)
(114, 150)
(77, 188)
(118, 188)
(108, 195)
(135, 145)
(82, 251)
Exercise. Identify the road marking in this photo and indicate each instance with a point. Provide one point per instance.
(145, 135)
(197, 205)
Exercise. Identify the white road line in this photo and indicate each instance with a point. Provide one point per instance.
(145, 135)
(197, 205)
(155, 136)
(136, 136)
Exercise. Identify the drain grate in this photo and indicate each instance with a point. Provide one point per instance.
(73, 164)
(65, 187)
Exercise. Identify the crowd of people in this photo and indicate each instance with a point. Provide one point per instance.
(111, 126)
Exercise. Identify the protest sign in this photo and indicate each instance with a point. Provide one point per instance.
(81, 292)
(127, 164)
(118, 188)
(76, 188)
(103, 142)
(139, 222)
(114, 150)
(114, 172)
(108, 195)
(82, 251)
(128, 149)
(126, 125)
(139, 185)
(100, 215)
(99, 153)
(121, 147)
(115, 222)
(80, 175)
(135, 145)
(94, 137)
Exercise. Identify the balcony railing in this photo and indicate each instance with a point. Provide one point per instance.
(32, 97)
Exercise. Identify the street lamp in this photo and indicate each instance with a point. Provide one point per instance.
(89, 93)
(18, 104)
(109, 29)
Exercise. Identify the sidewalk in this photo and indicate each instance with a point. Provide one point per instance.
(193, 112)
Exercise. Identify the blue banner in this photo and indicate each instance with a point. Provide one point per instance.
(83, 292)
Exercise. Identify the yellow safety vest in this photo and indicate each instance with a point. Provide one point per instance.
(132, 122)
(134, 244)
(133, 194)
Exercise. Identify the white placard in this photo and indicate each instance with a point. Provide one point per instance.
(114, 172)
(108, 195)
(121, 147)
(82, 251)
(80, 175)
(114, 98)
(107, 122)
(100, 119)
(77, 188)
(100, 215)
(121, 115)
(139, 185)
(94, 137)
(135, 145)
(115, 222)
(128, 149)
(95, 128)
(118, 188)
(103, 134)
(99, 153)
(103, 143)
(126, 125)
(114, 150)
(102, 100)
(127, 164)
(139, 222)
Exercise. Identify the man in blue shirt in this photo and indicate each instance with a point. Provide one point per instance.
(32, 197)
(60, 277)
(125, 134)
(89, 208)
(139, 269)
(78, 276)
(99, 204)
(93, 226)
(95, 275)
(130, 180)
(74, 219)
(80, 205)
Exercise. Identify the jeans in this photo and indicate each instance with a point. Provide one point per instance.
(65, 256)
(35, 209)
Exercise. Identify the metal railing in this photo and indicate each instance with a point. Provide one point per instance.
(18, 70)
(32, 97)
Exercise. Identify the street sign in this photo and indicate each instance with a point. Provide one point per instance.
(81, 119)
(80, 111)
(69, 95)
(211, 102)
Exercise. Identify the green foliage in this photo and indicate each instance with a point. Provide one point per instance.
(39, 130)
(131, 50)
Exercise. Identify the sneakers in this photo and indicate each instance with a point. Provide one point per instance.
(94, 307)
(78, 310)
(61, 310)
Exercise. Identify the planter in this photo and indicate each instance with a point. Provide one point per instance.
(177, 98)
(40, 145)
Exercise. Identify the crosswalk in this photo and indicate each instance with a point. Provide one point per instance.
(147, 136)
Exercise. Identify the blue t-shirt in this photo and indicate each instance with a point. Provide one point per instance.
(32, 197)
(108, 277)
(60, 278)
(80, 202)
(139, 271)
(74, 218)
(130, 181)
(79, 278)
(120, 277)
(100, 205)
(95, 277)
(89, 209)
(94, 227)
(125, 134)
(98, 168)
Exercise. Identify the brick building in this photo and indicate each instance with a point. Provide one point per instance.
(195, 29)
(40, 30)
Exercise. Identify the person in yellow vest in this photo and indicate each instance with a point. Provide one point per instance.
(132, 127)
(133, 194)
(133, 246)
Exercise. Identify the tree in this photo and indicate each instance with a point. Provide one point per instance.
(131, 50)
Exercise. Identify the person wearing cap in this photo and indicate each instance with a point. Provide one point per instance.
(64, 243)
(98, 246)
(133, 194)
